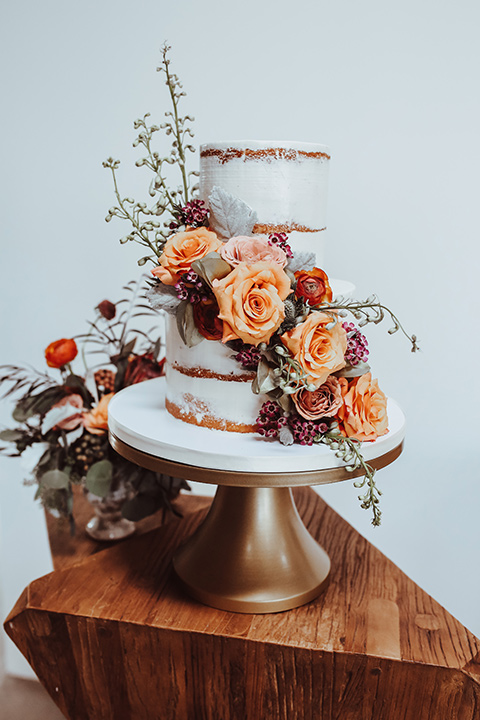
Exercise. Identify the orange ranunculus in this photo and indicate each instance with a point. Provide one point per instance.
(181, 250)
(96, 421)
(60, 352)
(317, 348)
(313, 285)
(363, 414)
(250, 299)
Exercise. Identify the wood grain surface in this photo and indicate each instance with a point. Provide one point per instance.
(113, 637)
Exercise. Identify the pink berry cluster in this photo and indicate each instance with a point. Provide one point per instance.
(193, 214)
(246, 354)
(357, 345)
(272, 418)
(192, 288)
(281, 239)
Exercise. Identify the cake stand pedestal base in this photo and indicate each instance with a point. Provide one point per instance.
(253, 554)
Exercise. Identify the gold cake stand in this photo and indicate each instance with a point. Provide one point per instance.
(252, 554)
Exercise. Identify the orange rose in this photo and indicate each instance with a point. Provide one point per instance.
(250, 299)
(363, 414)
(60, 352)
(313, 285)
(181, 250)
(319, 403)
(96, 421)
(317, 348)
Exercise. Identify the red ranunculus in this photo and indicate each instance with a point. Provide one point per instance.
(143, 367)
(207, 321)
(61, 352)
(313, 285)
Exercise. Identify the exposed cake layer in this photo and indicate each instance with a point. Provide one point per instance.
(285, 182)
(207, 387)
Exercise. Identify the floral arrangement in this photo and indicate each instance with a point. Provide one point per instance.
(62, 420)
(273, 307)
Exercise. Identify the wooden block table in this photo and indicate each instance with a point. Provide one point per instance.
(113, 637)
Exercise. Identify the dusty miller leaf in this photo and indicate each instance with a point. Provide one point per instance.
(163, 297)
(302, 261)
(230, 216)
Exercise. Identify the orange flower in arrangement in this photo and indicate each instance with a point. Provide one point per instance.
(250, 299)
(181, 250)
(318, 345)
(313, 286)
(96, 421)
(60, 353)
(363, 414)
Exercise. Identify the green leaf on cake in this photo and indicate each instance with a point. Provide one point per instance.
(230, 216)
(352, 371)
(211, 267)
(99, 478)
(265, 380)
(186, 325)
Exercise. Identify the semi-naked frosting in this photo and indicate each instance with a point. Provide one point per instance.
(286, 184)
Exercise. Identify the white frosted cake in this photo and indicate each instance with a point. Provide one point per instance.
(285, 183)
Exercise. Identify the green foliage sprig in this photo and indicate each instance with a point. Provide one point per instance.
(146, 228)
(349, 451)
(370, 310)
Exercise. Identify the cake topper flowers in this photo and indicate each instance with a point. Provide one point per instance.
(274, 308)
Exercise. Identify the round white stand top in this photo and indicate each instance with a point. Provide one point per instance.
(138, 419)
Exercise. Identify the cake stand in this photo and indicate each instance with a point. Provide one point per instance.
(252, 553)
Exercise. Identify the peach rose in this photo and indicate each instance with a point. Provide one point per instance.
(250, 299)
(61, 352)
(363, 414)
(318, 349)
(96, 421)
(319, 403)
(251, 250)
(181, 250)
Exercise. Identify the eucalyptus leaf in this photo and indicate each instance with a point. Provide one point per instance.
(99, 478)
(54, 480)
(230, 216)
(265, 381)
(211, 267)
(186, 325)
(353, 371)
(10, 435)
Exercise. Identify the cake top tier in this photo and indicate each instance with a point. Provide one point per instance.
(284, 182)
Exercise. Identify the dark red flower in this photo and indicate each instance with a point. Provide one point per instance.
(207, 321)
(313, 285)
(143, 367)
(107, 309)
